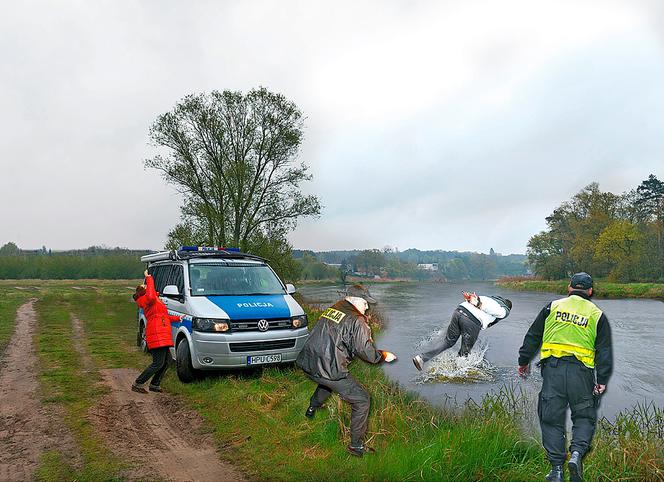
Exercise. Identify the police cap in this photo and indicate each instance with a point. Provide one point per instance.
(581, 281)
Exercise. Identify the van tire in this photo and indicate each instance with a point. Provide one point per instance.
(140, 338)
(184, 368)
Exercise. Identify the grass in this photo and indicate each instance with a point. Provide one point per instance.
(65, 383)
(601, 289)
(10, 300)
(257, 418)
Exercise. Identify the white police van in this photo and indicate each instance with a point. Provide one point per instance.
(238, 313)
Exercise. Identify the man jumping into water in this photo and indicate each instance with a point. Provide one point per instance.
(474, 314)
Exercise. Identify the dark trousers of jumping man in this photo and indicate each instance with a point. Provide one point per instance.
(157, 368)
(351, 391)
(566, 382)
(461, 325)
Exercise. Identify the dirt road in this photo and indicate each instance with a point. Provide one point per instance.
(27, 428)
(158, 437)
(153, 432)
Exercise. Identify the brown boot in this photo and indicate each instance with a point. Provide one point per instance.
(135, 387)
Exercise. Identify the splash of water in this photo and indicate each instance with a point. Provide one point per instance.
(449, 367)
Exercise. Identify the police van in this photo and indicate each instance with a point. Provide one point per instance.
(238, 313)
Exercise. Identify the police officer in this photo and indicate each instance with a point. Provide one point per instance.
(575, 340)
(341, 333)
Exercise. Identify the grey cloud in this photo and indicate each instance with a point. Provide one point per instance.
(82, 81)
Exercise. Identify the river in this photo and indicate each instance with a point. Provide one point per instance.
(417, 311)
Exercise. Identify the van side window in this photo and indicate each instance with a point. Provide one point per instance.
(161, 274)
(177, 278)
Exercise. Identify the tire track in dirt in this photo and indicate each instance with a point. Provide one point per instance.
(153, 432)
(161, 438)
(27, 428)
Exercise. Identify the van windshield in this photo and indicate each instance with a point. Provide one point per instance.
(225, 280)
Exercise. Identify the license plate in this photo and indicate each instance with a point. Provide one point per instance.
(262, 359)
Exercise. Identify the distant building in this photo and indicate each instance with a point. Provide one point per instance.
(428, 266)
(334, 265)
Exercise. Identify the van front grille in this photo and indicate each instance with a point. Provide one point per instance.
(263, 345)
(252, 325)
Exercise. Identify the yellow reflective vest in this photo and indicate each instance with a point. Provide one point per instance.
(571, 329)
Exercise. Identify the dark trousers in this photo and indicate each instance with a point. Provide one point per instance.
(566, 382)
(157, 368)
(351, 391)
(460, 326)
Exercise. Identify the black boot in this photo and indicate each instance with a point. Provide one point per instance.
(575, 467)
(359, 450)
(310, 412)
(555, 474)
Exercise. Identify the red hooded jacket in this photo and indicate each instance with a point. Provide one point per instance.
(158, 329)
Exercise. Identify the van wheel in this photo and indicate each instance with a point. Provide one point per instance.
(184, 368)
(140, 338)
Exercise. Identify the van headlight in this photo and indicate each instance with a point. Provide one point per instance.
(299, 321)
(210, 325)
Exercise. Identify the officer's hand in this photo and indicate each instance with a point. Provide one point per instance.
(145, 273)
(524, 371)
(389, 356)
(599, 389)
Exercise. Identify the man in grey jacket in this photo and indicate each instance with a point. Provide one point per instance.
(341, 333)
(476, 313)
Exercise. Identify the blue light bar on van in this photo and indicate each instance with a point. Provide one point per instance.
(208, 248)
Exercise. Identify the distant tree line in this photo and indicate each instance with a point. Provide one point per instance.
(391, 263)
(618, 236)
(91, 263)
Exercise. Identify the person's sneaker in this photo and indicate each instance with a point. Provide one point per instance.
(311, 411)
(360, 450)
(135, 387)
(555, 474)
(418, 362)
(155, 388)
(575, 467)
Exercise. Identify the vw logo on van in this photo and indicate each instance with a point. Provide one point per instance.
(263, 325)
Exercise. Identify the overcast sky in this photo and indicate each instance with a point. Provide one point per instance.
(436, 125)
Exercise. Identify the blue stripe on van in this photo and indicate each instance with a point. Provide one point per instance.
(186, 323)
(252, 307)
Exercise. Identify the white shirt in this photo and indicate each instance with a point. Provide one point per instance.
(489, 310)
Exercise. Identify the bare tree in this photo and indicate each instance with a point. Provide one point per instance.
(234, 157)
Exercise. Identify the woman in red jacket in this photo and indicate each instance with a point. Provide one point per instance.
(157, 335)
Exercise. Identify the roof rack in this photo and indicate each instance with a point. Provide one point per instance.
(183, 253)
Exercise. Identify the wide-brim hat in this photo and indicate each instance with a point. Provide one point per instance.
(361, 292)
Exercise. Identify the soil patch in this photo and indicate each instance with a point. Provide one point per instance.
(156, 434)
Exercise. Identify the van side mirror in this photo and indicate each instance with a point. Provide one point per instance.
(290, 289)
(171, 291)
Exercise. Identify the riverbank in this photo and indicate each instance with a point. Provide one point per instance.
(352, 280)
(601, 289)
(256, 418)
